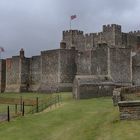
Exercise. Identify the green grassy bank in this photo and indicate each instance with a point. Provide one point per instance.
(93, 119)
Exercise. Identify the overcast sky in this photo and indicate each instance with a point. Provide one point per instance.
(37, 25)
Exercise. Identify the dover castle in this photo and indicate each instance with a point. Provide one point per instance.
(83, 61)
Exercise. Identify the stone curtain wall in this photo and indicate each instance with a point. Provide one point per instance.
(99, 61)
(133, 40)
(89, 41)
(93, 62)
(121, 65)
(112, 35)
(25, 73)
(84, 63)
(2, 75)
(49, 74)
(35, 73)
(58, 70)
(67, 69)
(115, 62)
(53, 71)
(136, 69)
(12, 74)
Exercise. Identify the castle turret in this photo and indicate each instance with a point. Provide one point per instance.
(112, 28)
(113, 34)
(74, 38)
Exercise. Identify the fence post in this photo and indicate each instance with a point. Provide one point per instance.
(36, 104)
(32, 109)
(23, 109)
(58, 100)
(50, 104)
(20, 103)
(55, 100)
(15, 108)
(8, 114)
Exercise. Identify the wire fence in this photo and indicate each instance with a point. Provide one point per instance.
(11, 108)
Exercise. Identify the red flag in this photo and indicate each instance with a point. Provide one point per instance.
(1, 49)
(73, 17)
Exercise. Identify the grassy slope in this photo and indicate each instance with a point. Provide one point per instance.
(94, 119)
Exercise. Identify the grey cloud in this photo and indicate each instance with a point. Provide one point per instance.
(37, 25)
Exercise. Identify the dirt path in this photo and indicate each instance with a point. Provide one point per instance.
(3, 117)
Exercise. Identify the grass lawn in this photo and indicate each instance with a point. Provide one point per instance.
(93, 119)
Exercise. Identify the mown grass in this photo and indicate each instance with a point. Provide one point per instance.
(93, 119)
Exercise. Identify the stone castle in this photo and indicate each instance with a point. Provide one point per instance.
(105, 59)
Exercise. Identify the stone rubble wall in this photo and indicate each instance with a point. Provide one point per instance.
(2, 75)
(129, 110)
(125, 94)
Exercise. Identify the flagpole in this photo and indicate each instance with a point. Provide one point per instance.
(1, 50)
(70, 24)
(72, 18)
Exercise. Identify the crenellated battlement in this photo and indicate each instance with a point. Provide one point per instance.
(89, 35)
(134, 32)
(75, 32)
(93, 34)
(111, 28)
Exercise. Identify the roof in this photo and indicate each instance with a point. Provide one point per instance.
(94, 80)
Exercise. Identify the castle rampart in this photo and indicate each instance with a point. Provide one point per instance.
(106, 53)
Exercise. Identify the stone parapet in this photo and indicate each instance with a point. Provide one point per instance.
(125, 94)
(116, 96)
(129, 110)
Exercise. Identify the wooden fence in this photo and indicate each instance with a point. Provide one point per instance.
(35, 104)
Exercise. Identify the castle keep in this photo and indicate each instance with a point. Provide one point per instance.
(94, 59)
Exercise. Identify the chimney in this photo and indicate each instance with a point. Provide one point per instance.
(21, 53)
(63, 45)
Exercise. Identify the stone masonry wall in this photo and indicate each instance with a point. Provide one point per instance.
(58, 70)
(84, 63)
(94, 91)
(99, 61)
(25, 72)
(93, 62)
(121, 65)
(125, 94)
(67, 69)
(74, 37)
(2, 75)
(136, 69)
(49, 74)
(129, 110)
(93, 86)
(35, 73)
(13, 74)
(112, 34)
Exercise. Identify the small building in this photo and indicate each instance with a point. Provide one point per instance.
(92, 86)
